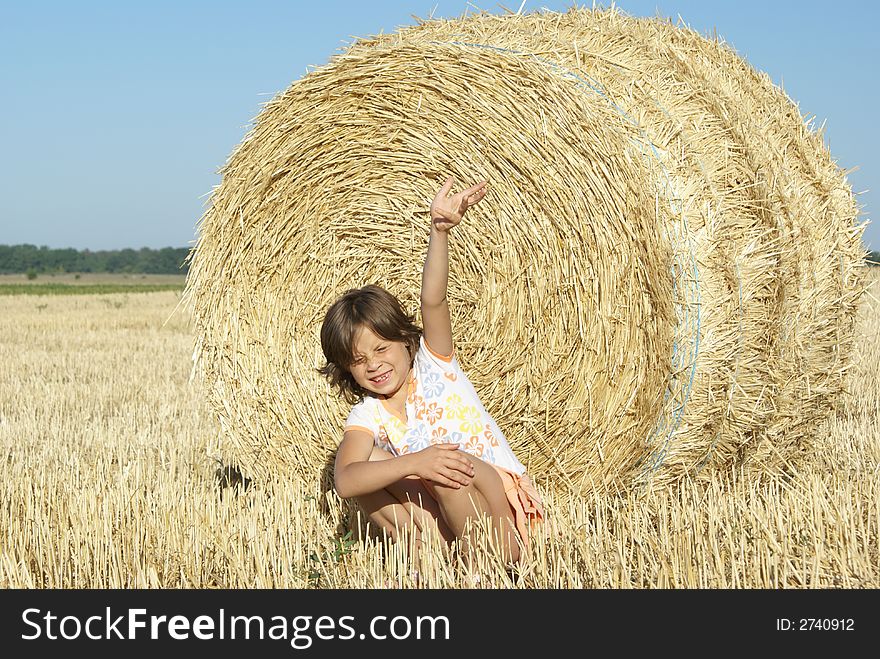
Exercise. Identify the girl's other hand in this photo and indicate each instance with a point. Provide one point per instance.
(444, 464)
(447, 211)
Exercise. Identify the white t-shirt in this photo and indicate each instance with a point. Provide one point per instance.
(442, 406)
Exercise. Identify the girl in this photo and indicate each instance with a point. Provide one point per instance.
(418, 445)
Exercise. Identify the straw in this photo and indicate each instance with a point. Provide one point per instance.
(661, 282)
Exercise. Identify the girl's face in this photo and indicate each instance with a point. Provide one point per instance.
(380, 366)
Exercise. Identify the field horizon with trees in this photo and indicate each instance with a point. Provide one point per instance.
(33, 260)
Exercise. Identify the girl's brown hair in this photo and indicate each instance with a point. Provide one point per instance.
(371, 306)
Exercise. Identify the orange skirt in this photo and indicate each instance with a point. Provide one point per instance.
(525, 502)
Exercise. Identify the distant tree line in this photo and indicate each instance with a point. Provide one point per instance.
(168, 260)
(30, 258)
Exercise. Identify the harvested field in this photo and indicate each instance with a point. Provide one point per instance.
(111, 457)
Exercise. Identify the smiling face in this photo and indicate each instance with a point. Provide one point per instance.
(344, 339)
(380, 366)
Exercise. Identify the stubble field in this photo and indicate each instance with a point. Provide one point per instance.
(110, 460)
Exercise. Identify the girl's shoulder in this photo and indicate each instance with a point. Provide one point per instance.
(363, 413)
(432, 366)
(426, 353)
(366, 403)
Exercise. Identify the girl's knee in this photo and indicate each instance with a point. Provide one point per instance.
(445, 493)
(485, 481)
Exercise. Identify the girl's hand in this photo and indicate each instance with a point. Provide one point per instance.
(443, 464)
(447, 211)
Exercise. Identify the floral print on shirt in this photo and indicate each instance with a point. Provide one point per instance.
(441, 406)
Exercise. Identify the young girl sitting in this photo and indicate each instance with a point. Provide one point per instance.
(418, 447)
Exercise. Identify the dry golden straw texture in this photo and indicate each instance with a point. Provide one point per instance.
(110, 481)
(661, 282)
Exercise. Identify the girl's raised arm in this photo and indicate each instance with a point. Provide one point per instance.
(446, 212)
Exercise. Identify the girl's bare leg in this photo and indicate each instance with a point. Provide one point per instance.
(483, 496)
(404, 504)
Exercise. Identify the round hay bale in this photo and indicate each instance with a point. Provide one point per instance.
(663, 277)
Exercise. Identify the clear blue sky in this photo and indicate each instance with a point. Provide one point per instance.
(116, 116)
